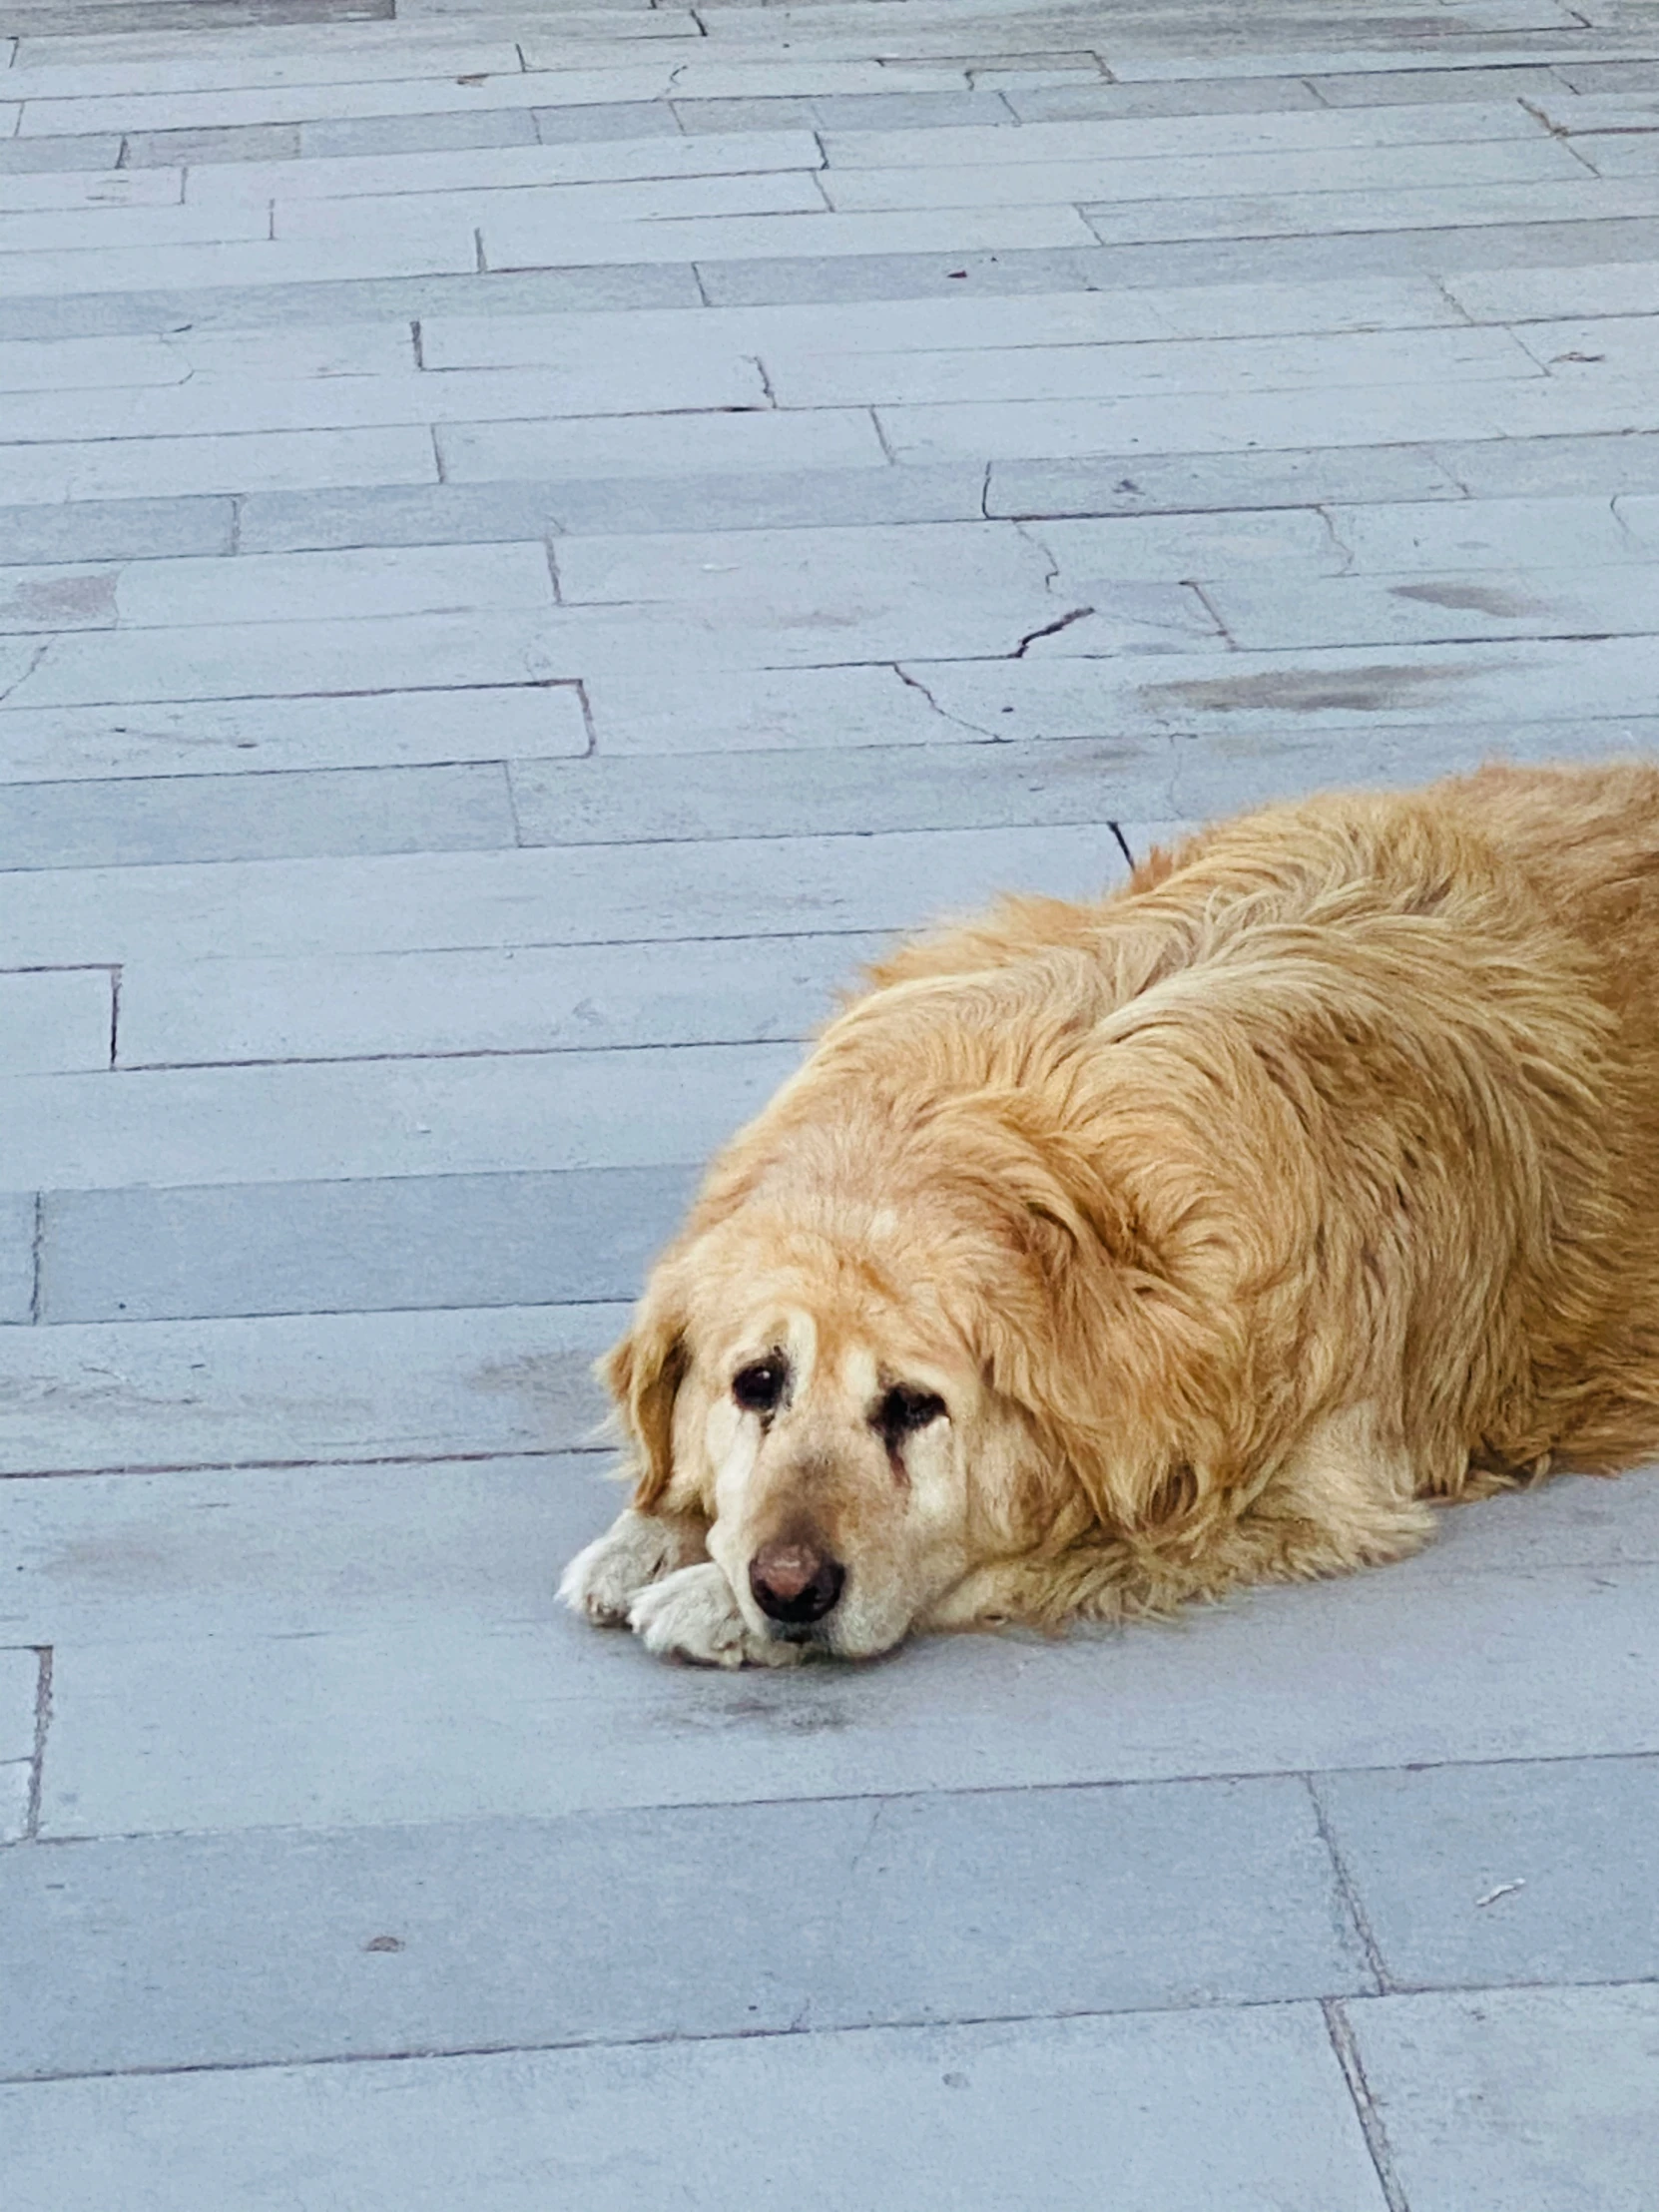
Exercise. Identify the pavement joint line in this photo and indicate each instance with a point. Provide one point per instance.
(37, 1757)
(681, 2035)
(37, 1245)
(1377, 2147)
(1347, 1889)
(144, 1467)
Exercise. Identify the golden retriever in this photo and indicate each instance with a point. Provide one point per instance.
(1105, 1256)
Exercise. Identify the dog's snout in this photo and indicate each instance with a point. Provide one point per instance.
(793, 1580)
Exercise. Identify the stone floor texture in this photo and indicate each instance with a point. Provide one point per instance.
(531, 539)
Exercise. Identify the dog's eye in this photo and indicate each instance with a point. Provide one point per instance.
(758, 1387)
(903, 1411)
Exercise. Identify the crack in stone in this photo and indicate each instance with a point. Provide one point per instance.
(1049, 630)
(915, 682)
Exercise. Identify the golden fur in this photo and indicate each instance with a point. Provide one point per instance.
(1312, 1176)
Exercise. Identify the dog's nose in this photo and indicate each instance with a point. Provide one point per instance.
(795, 1581)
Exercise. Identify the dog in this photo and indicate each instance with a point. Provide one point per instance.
(1102, 1256)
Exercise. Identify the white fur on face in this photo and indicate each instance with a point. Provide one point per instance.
(900, 1533)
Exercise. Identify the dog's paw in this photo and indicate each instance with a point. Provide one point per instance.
(693, 1615)
(637, 1550)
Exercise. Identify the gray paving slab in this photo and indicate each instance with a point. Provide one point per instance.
(378, 1721)
(862, 789)
(534, 998)
(19, 1685)
(1215, 96)
(142, 821)
(1524, 1873)
(912, 1909)
(741, 887)
(1232, 2109)
(1517, 2096)
(1151, 483)
(248, 142)
(322, 1121)
(326, 139)
(1217, 775)
(348, 1247)
(280, 305)
(1433, 604)
(384, 729)
(118, 530)
(21, 157)
(344, 1388)
(55, 1020)
(1504, 468)
(17, 1255)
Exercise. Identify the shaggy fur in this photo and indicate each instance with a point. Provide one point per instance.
(1106, 1256)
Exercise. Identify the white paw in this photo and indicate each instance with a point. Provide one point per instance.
(693, 1615)
(637, 1550)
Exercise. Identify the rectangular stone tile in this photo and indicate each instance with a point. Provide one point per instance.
(1150, 483)
(1199, 96)
(1264, 696)
(1415, 87)
(16, 1786)
(394, 902)
(1519, 1872)
(1571, 532)
(697, 378)
(107, 188)
(288, 659)
(378, 1720)
(610, 120)
(125, 228)
(326, 1121)
(1447, 207)
(545, 242)
(849, 792)
(535, 998)
(129, 468)
(18, 157)
(227, 736)
(17, 1257)
(19, 1682)
(252, 142)
(846, 1910)
(368, 1246)
(1230, 2109)
(276, 1549)
(44, 276)
(1545, 295)
(52, 1021)
(1377, 414)
(664, 445)
(283, 588)
(1080, 372)
(1057, 318)
(1215, 774)
(346, 136)
(1504, 468)
(293, 1390)
(351, 350)
(1090, 554)
(45, 79)
(1121, 182)
(1427, 605)
(1314, 131)
(422, 173)
(117, 530)
(1517, 2096)
(140, 822)
(499, 511)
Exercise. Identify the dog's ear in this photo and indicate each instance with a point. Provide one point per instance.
(1112, 1360)
(643, 1374)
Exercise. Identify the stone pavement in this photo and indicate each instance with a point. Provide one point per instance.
(532, 539)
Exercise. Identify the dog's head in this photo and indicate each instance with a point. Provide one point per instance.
(887, 1356)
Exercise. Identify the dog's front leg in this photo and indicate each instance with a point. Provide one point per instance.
(636, 1552)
